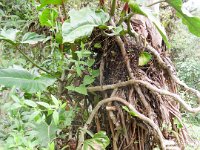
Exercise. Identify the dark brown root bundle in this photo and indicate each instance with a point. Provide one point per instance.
(149, 91)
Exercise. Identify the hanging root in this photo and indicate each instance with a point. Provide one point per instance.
(152, 98)
(149, 86)
(124, 102)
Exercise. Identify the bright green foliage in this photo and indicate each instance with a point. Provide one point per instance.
(193, 23)
(80, 66)
(32, 38)
(80, 89)
(178, 123)
(82, 23)
(9, 35)
(88, 80)
(24, 80)
(48, 17)
(146, 12)
(144, 58)
(28, 128)
(99, 141)
(132, 113)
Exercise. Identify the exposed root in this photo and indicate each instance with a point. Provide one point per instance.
(150, 87)
(149, 91)
(167, 66)
(163, 142)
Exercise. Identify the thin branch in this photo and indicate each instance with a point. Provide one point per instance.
(138, 114)
(113, 7)
(64, 10)
(29, 59)
(155, 3)
(150, 87)
(130, 31)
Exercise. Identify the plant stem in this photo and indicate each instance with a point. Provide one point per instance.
(29, 59)
(155, 3)
(112, 12)
(64, 10)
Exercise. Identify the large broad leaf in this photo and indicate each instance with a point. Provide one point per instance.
(45, 133)
(82, 23)
(98, 142)
(48, 17)
(193, 23)
(147, 13)
(32, 38)
(9, 35)
(24, 80)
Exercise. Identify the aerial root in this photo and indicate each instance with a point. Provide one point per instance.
(149, 86)
(163, 142)
(167, 66)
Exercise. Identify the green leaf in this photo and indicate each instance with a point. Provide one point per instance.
(88, 80)
(32, 38)
(71, 88)
(193, 23)
(178, 123)
(55, 101)
(147, 13)
(90, 62)
(98, 142)
(54, 2)
(56, 117)
(51, 146)
(81, 89)
(95, 73)
(34, 115)
(24, 80)
(9, 35)
(144, 58)
(82, 23)
(97, 45)
(45, 133)
(132, 113)
(30, 103)
(46, 105)
(48, 17)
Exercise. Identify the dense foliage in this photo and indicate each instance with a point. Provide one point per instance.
(50, 61)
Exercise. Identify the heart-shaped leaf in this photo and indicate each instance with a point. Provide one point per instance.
(9, 35)
(82, 23)
(193, 23)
